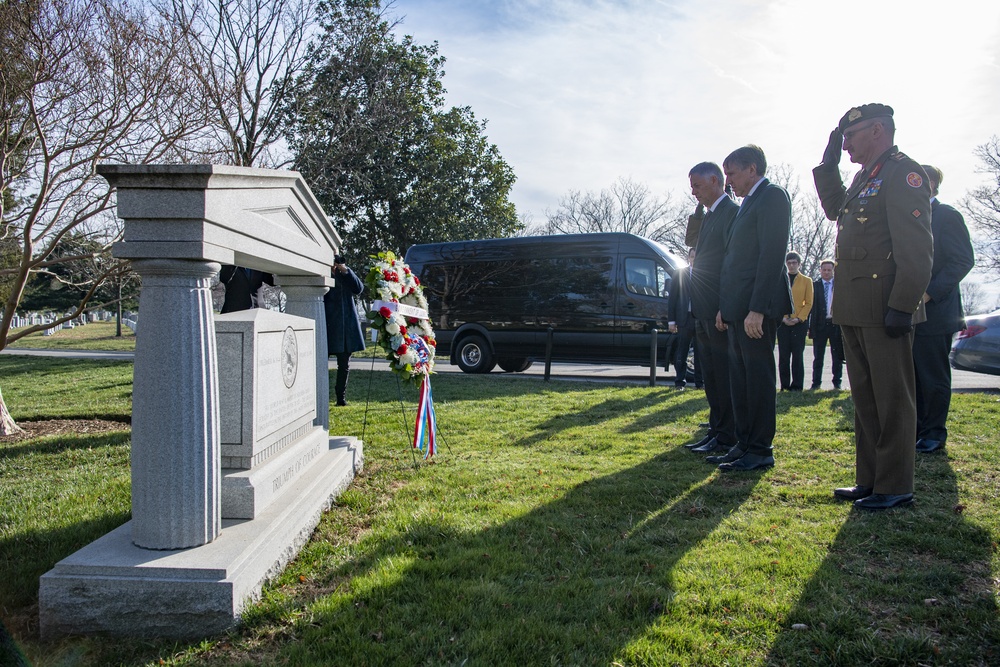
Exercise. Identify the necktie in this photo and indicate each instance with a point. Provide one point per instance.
(828, 286)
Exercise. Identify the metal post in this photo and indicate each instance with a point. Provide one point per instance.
(548, 354)
(652, 357)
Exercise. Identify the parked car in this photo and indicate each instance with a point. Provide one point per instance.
(977, 349)
(493, 301)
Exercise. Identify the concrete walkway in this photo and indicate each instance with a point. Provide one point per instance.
(962, 381)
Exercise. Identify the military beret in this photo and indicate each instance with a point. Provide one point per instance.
(864, 112)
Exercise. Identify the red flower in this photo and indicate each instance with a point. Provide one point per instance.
(416, 280)
(430, 341)
(406, 270)
(385, 312)
(402, 331)
(402, 349)
(412, 320)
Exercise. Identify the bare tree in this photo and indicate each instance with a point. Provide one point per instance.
(84, 81)
(627, 206)
(812, 235)
(244, 56)
(973, 298)
(983, 206)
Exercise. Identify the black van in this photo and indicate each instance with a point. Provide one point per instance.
(493, 301)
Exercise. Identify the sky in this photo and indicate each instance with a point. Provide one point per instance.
(579, 93)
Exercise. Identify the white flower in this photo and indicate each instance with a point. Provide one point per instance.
(409, 358)
(392, 329)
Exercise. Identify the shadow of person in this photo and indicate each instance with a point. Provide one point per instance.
(600, 559)
(906, 586)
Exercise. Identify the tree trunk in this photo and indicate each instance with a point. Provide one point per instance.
(7, 425)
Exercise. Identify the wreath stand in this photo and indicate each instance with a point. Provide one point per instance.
(408, 435)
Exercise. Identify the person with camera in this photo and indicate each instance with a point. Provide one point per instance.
(343, 328)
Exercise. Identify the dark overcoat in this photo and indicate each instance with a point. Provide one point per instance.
(953, 259)
(343, 328)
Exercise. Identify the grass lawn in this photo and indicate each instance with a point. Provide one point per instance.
(560, 523)
(93, 336)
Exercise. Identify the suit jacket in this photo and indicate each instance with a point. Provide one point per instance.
(709, 252)
(953, 259)
(679, 299)
(802, 297)
(884, 245)
(241, 286)
(817, 320)
(753, 269)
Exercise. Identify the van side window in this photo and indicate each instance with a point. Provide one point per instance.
(646, 277)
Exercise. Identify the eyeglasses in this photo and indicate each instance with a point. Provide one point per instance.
(849, 134)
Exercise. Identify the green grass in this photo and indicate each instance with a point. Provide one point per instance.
(94, 336)
(560, 523)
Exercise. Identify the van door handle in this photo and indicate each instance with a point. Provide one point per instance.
(630, 305)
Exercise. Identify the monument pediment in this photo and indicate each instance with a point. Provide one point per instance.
(259, 218)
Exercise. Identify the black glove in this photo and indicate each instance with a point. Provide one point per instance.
(831, 156)
(898, 323)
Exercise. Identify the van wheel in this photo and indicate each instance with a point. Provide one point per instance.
(514, 364)
(474, 355)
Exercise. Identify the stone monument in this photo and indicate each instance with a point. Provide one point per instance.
(227, 481)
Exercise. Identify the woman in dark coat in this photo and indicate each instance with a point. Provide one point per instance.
(343, 330)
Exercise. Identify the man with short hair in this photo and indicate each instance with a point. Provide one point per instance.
(884, 257)
(711, 338)
(752, 301)
(822, 329)
(953, 259)
(792, 332)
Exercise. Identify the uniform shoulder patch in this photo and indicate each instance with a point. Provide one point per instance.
(914, 179)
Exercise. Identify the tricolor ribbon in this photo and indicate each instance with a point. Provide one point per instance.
(426, 428)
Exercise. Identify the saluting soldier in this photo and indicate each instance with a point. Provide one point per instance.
(884, 258)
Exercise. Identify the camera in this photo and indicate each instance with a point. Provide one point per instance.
(339, 259)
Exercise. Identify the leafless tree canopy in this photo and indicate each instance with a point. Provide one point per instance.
(243, 57)
(983, 207)
(812, 235)
(83, 82)
(627, 206)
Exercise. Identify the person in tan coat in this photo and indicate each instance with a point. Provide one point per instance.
(884, 258)
(793, 328)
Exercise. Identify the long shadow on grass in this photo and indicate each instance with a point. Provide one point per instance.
(571, 582)
(903, 587)
(615, 408)
(56, 444)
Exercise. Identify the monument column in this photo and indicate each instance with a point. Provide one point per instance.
(305, 299)
(176, 501)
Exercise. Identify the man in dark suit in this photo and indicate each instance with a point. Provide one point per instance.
(711, 339)
(823, 330)
(884, 257)
(754, 297)
(953, 259)
(241, 287)
(681, 321)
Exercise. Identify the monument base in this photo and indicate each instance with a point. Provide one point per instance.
(113, 587)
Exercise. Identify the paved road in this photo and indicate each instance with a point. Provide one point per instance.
(962, 381)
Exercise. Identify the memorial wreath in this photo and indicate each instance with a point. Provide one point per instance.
(399, 315)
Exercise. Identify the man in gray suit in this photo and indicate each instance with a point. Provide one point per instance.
(754, 297)
(711, 338)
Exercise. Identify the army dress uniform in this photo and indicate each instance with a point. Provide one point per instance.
(883, 258)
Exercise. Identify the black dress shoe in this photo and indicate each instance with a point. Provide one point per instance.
(709, 446)
(836, 385)
(704, 425)
(733, 454)
(815, 387)
(708, 438)
(748, 462)
(852, 492)
(881, 501)
(926, 446)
